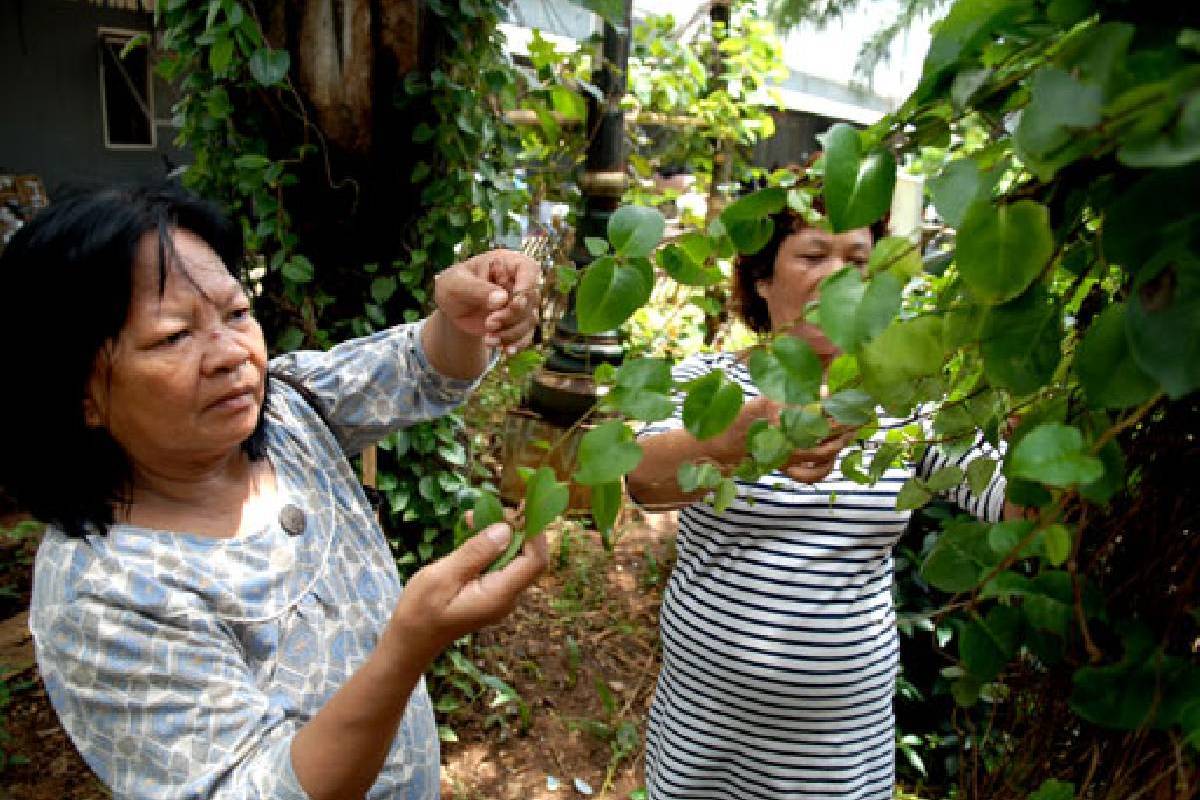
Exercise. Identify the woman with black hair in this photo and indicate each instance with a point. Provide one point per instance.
(779, 637)
(216, 612)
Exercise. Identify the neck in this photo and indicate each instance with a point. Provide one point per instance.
(192, 482)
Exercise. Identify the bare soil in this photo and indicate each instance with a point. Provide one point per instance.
(581, 651)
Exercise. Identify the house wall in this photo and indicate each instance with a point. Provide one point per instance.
(51, 121)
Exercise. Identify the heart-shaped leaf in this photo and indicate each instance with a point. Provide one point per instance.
(268, 66)
(610, 292)
(1001, 250)
(606, 505)
(1110, 376)
(643, 389)
(1053, 453)
(858, 188)
(635, 230)
(545, 499)
(712, 403)
(787, 371)
(607, 453)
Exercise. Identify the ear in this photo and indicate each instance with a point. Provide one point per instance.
(763, 288)
(91, 412)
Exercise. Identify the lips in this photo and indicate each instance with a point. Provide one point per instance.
(235, 399)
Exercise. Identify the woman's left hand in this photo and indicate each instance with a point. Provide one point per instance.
(495, 295)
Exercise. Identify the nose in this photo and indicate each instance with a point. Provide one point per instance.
(225, 352)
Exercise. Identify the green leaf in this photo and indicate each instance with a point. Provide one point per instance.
(898, 255)
(382, 289)
(1059, 106)
(947, 478)
(968, 24)
(906, 351)
(596, 246)
(755, 206)
(1175, 147)
(677, 263)
(606, 505)
(1053, 453)
(252, 162)
(850, 407)
(1056, 544)
(1140, 220)
(1163, 320)
(912, 494)
(1001, 250)
(613, 11)
(750, 236)
(298, 269)
(724, 495)
(1120, 695)
(958, 187)
(607, 453)
(1105, 365)
(487, 511)
(694, 475)
(1054, 789)
(960, 557)
(218, 103)
(1021, 342)
(610, 292)
(545, 499)
(804, 427)
(787, 370)
(987, 644)
(643, 389)
(635, 230)
(270, 67)
(979, 474)
(767, 445)
(858, 188)
(712, 403)
(220, 56)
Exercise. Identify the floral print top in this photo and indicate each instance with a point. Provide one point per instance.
(182, 666)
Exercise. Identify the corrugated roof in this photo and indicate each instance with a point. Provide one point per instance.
(145, 6)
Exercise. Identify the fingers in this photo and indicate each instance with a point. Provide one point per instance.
(509, 582)
(459, 288)
(808, 473)
(475, 554)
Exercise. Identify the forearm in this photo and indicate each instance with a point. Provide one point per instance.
(341, 751)
(654, 482)
(452, 352)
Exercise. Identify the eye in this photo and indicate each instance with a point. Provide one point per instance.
(240, 313)
(174, 338)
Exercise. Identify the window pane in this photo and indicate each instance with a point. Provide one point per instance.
(125, 98)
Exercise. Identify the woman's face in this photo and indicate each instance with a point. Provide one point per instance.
(186, 376)
(804, 259)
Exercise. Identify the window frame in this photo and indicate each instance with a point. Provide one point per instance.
(105, 37)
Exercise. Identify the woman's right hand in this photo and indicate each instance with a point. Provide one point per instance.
(454, 595)
(728, 448)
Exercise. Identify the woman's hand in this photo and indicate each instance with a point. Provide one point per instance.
(494, 296)
(454, 596)
(728, 448)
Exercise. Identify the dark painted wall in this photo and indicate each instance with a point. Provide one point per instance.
(795, 139)
(50, 106)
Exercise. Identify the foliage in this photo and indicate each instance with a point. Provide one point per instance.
(1078, 250)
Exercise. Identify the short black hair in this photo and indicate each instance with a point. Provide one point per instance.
(66, 281)
(750, 268)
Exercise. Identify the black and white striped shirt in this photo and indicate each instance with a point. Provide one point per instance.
(779, 637)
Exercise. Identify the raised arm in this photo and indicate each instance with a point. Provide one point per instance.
(369, 387)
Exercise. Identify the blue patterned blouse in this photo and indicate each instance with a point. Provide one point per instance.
(181, 666)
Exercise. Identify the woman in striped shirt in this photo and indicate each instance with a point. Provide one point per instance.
(779, 639)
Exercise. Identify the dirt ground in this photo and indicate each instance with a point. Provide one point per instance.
(581, 651)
